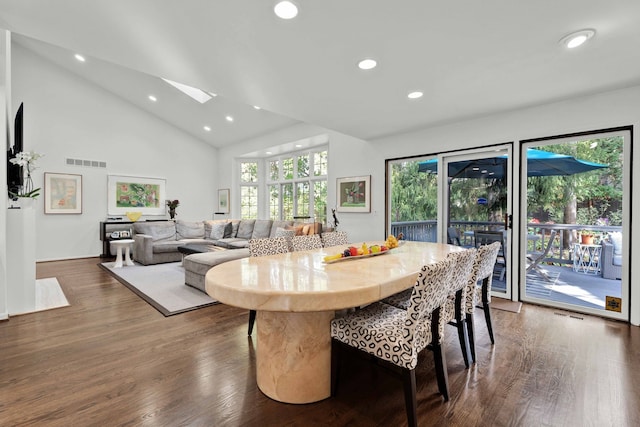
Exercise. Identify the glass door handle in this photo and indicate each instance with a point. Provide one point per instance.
(508, 221)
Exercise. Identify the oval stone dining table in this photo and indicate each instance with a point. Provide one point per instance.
(296, 296)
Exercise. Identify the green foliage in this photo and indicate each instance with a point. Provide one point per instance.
(413, 194)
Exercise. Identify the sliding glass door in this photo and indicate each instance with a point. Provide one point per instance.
(575, 208)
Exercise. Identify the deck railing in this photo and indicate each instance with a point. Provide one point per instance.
(561, 251)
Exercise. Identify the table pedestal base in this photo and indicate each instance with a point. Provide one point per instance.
(293, 356)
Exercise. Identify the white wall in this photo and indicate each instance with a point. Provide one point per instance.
(67, 116)
(5, 101)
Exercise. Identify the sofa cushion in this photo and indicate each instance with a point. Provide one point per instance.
(261, 228)
(245, 229)
(231, 243)
(279, 224)
(201, 263)
(189, 230)
(158, 230)
(617, 260)
(165, 246)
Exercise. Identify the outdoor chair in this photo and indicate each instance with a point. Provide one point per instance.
(453, 310)
(334, 238)
(488, 237)
(397, 336)
(611, 256)
(535, 258)
(303, 243)
(453, 236)
(482, 274)
(264, 247)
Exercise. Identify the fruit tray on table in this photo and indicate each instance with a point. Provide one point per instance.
(364, 251)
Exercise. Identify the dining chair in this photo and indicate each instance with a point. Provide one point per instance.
(303, 243)
(397, 336)
(263, 247)
(334, 238)
(487, 237)
(482, 270)
(454, 309)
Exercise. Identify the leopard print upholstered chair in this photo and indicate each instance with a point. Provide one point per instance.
(398, 336)
(263, 247)
(303, 243)
(453, 311)
(479, 290)
(334, 238)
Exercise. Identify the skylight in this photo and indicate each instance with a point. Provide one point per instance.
(195, 93)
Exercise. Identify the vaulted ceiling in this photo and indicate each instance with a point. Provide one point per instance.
(469, 58)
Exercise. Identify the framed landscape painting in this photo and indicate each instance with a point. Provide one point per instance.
(135, 194)
(353, 194)
(62, 193)
(223, 201)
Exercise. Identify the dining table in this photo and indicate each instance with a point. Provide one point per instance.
(297, 294)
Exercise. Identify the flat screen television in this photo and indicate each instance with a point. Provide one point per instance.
(14, 172)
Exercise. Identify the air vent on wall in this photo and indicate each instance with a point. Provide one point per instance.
(86, 163)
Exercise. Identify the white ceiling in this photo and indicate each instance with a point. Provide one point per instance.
(470, 58)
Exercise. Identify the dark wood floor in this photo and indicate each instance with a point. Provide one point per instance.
(110, 359)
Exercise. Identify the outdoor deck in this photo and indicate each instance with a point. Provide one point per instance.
(567, 286)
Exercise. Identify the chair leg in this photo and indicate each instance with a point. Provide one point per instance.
(462, 330)
(486, 307)
(252, 320)
(441, 370)
(409, 381)
(471, 335)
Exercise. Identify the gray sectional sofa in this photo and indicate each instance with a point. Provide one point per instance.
(158, 241)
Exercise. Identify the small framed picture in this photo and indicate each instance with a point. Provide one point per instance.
(125, 234)
(115, 235)
(353, 194)
(62, 193)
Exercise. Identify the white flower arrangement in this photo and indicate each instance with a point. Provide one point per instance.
(27, 161)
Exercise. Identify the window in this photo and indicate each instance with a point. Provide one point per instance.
(249, 190)
(297, 186)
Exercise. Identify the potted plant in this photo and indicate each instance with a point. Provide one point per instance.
(172, 205)
(586, 237)
(27, 161)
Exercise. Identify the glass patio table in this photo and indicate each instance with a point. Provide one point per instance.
(296, 295)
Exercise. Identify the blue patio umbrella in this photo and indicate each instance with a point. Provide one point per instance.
(539, 163)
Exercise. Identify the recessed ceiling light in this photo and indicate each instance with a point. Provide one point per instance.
(256, 107)
(286, 10)
(229, 118)
(207, 128)
(212, 94)
(298, 145)
(367, 64)
(268, 152)
(415, 95)
(80, 57)
(153, 98)
(577, 38)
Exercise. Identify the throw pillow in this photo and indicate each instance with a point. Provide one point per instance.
(228, 230)
(218, 230)
(616, 240)
(296, 229)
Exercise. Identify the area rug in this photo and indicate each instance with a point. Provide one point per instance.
(506, 305)
(49, 294)
(162, 286)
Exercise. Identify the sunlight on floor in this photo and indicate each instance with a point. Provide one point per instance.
(577, 292)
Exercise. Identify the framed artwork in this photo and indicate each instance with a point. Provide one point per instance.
(223, 201)
(62, 193)
(132, 193)
(353, 194)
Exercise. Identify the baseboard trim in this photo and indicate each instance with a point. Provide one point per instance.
(68, 258)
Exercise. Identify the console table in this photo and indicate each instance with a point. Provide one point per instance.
(586, 258)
